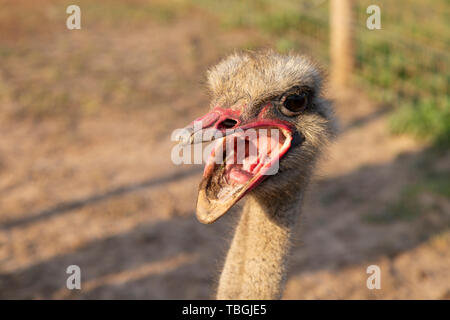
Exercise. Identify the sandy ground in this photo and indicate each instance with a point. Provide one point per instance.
(101, 192)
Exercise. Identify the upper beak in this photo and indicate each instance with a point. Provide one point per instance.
(223, 120)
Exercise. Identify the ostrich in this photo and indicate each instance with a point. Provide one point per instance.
(262, 90)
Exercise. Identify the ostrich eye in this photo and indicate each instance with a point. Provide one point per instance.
(294, 104)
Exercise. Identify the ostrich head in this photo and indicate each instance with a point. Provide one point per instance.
(256, 91)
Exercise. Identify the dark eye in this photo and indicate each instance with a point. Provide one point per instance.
(294, 104)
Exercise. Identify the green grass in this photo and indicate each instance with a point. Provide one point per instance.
(427, 119)
(282, 21)
(117, 12)
(404, 65)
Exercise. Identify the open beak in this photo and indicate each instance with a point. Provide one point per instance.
(244, 154)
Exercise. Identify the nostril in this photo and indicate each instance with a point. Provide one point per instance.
(227, 124)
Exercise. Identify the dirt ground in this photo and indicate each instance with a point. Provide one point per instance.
(98, 190)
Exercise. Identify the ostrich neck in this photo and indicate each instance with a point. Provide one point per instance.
(255, 266)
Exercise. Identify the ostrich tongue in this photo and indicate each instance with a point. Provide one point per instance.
(237, 164)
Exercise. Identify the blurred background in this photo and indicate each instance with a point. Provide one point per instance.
(85, 123)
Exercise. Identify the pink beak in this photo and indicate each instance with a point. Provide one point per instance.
(218, 119)
(210, 204)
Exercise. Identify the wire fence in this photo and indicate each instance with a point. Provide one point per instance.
(405, 64)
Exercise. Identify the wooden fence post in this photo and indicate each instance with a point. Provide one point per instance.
(341, 42)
